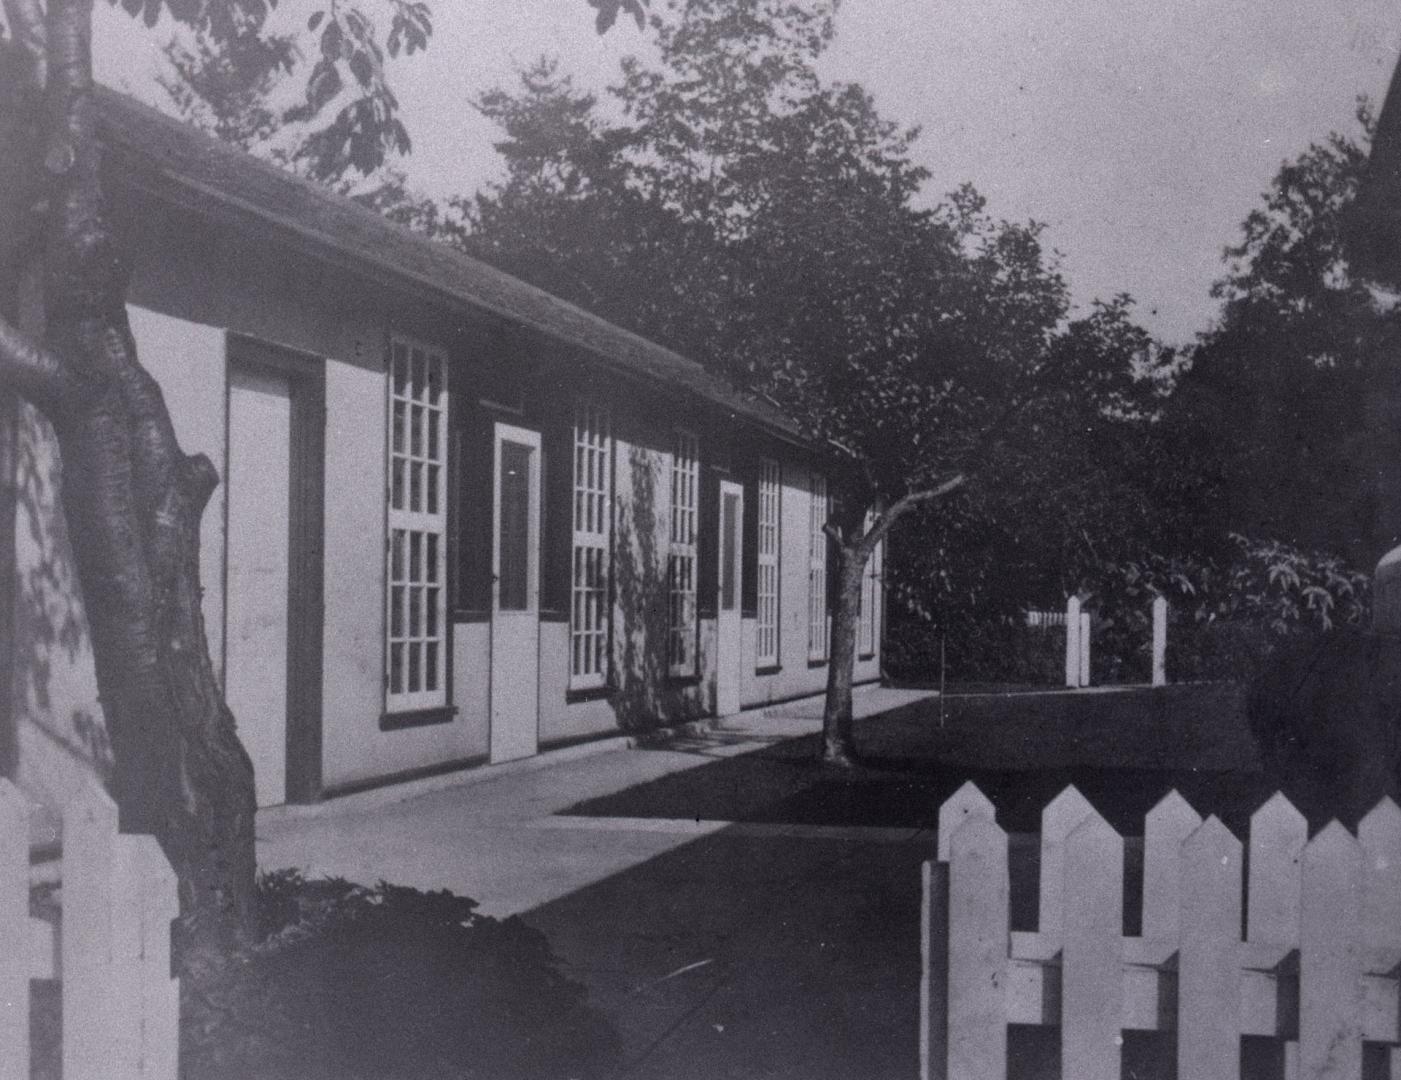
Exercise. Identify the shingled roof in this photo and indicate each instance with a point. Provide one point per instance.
(184, 167)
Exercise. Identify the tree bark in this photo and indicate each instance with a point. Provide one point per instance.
(838, 736)
(854, 544)
(133, 502)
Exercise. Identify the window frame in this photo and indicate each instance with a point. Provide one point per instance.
(819, 509)
(683, 624)
(428, 626)
(591, 487)
(769, 565)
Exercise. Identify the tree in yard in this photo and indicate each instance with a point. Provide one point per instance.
(768, 223)
(132, 498)
(1272, 419)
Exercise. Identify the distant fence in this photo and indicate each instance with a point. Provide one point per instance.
(1077, 639)
(1316, 964)
(110, 951)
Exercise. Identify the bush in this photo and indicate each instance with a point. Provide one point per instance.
(348, 981)
(1227, 617)
(994, 650)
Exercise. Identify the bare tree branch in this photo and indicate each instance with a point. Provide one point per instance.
(35, 372)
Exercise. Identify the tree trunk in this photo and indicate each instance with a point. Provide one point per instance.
(133, 502)
(838, 741)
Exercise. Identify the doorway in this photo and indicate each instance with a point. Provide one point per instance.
(515, 594)
(273, 569)
(728, 654)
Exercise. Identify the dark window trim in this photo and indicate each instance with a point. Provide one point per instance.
(683, 680)
(768, 669)
(865, 656)
(471, 615)
(397, 721)
(554, 615)
(815, 664)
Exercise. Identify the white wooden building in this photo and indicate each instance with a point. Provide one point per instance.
(461, 520)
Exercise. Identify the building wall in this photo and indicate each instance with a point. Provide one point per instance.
(185, 306)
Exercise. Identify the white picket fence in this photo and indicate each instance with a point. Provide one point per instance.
(1077, 639)
(110, 951)
(1317, 963)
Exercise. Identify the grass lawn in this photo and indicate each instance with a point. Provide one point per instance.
(1124, 750)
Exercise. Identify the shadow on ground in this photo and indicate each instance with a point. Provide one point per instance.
(786, 944)
(1123, 750)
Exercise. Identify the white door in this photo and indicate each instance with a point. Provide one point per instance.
(515, 595)
(259, 496)
(728, 655)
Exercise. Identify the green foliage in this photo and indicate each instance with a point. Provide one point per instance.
(1228, 615)
(767, 222)
(226, 66)
(1272, 425)
(387, 982)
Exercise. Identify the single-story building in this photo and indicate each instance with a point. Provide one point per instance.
(461, 520)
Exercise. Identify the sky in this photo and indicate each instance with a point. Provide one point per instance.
(1141, 132)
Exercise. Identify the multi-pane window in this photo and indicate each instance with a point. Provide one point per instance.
(817, 569)
(588, 613)
(766, 629)
(416, 646)
(681, 556)
(868, 621)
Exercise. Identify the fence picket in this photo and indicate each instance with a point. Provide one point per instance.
(1330, 967)
(1159, 641)
(89, 844)
(1208, 961)
(14, 933)
(1092, 951)
(1278, 833)
(964, 803)
(1379, 833)
(978, 952)
(1168, 824)
(146, 1013)
(1072, 642)
(1058, 821)
(934, 983)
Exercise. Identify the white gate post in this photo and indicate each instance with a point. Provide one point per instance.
(1159, 641)
(1072, 642)
(1085, 648)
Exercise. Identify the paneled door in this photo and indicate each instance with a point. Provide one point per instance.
(515, 603)
(259, 492)
(728, 654)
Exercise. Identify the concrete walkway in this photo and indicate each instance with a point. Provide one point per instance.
(716, 949)
(496, 834)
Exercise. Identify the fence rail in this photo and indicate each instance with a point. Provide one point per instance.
(110, 950)
(1314, 962)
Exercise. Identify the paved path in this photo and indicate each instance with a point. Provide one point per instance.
(716, 949)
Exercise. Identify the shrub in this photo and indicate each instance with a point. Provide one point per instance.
(384, 982)
(1227, 617)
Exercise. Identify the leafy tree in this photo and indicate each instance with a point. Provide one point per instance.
(132, 498)
(767, 222)
(1272, 419)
